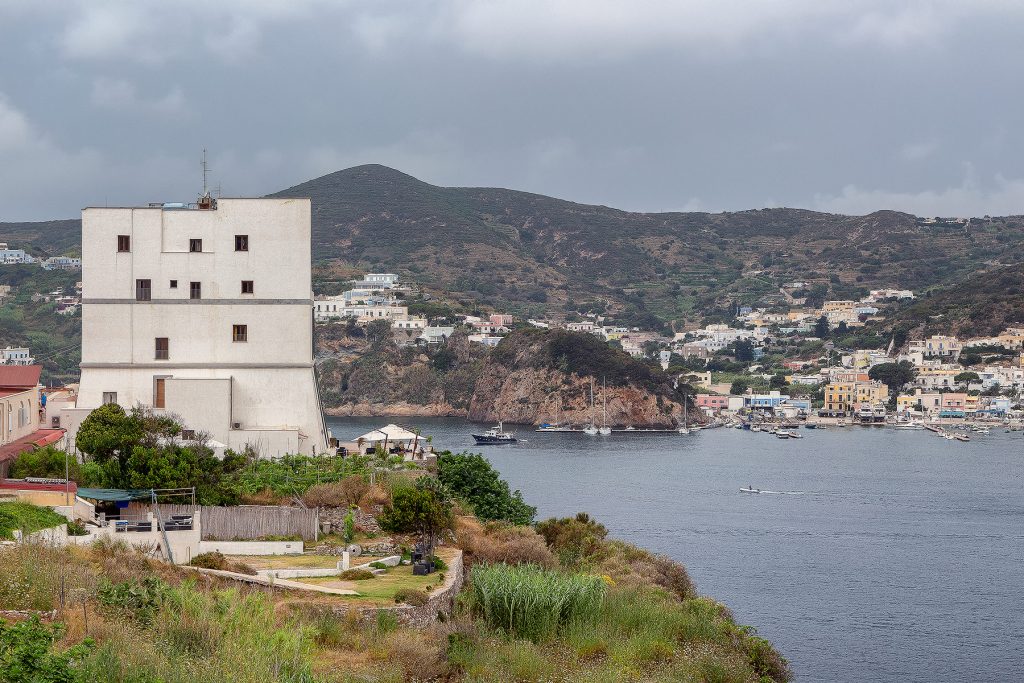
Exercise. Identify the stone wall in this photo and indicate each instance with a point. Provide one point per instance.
(332, 520)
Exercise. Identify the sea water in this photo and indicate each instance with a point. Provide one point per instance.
(887, 555)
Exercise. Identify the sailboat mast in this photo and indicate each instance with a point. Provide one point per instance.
(604, 401)
(591, 400)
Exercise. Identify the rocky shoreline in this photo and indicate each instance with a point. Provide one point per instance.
(402, 409)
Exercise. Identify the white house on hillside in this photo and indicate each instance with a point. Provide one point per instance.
(205, 313)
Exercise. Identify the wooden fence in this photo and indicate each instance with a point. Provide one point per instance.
(243, 522)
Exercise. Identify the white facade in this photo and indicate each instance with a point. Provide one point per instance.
(62, 263)
(16, 355)
(12, 256)
(222, 336)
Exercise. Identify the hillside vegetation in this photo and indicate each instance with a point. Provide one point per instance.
(983, 304)
(531, 254)
(55, 340)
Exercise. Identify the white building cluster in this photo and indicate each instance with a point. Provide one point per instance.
(10, 256)
(16, 356)
(371, 298)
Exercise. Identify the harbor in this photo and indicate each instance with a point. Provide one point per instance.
(876, 512)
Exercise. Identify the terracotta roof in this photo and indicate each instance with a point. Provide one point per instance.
(19, 376)
(37, 439)
(22, 485)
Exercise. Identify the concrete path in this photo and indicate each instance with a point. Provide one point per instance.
(272, 582)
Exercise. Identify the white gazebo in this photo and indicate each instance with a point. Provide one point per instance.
(393, 438)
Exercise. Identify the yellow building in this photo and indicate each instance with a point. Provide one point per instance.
(847, 396)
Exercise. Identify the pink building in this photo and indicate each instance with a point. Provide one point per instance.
(501, 319)
(713, 402)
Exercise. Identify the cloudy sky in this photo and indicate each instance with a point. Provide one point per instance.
(839, 105)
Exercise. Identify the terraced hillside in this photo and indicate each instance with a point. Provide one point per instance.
(535, 255)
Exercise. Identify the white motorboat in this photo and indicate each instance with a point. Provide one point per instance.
(495, 435)
(749, 489)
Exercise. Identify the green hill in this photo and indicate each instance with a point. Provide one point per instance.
(983, 304)
(534, 255)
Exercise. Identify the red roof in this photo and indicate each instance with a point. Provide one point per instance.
(19, 376)
(21, 485)
(37, 439)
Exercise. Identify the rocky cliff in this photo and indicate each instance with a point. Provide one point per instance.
(533, 378)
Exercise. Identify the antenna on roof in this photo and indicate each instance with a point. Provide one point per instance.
(205, 200)
(206, 169)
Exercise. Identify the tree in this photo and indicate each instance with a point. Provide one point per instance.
(45, 462)
(738, 387)
(744, 351)
(424, 509)
(893, 375)
(778, 382)
(821, 328)
(107, 432)
(969, 359)
(471, 477)
(966, 377)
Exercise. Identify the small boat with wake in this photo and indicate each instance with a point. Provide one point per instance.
(749, 489)
(495, 436)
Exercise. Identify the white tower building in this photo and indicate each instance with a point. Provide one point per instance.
(205, 312)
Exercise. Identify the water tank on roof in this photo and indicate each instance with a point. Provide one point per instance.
(175, 205)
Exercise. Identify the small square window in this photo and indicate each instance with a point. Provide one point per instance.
(163, 349)
(247, 287)
(241, 243)
(195, 245)
(109, 397)
(124, 243)
(174, 284)
(239, 333)
(195, 290)
(188, 434)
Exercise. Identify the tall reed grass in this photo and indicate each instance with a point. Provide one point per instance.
(533, 603)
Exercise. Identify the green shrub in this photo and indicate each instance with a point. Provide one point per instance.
(356, 575)
(139, 600)
(378, 565)
(532, 603)
(471, 477)
(439, 564)
(77, 528)
(46, 462)
(766, 660)
(349, 527)
(574, 539)
(217, 560)
(411, 596)
(26, 653)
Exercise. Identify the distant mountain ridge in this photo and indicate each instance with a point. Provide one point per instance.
(531, 254)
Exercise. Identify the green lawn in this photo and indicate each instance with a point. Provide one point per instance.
(381, 589)
(27, 517)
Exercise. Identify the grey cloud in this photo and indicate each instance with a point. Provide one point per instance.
(645, 105)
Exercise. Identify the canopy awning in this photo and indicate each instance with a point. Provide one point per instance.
(391, 433)
(115, 495)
